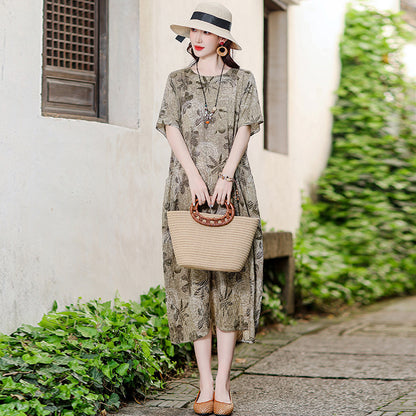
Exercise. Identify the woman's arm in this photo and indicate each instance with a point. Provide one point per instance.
(223, 188)
(196, 183)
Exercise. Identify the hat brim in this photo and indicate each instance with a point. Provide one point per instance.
(184, 30)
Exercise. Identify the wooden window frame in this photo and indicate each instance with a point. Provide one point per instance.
(76, 93)
(274, 5)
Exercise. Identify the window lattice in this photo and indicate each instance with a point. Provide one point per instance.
(71, 34)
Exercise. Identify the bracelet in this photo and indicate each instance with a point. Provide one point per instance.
(226, 178)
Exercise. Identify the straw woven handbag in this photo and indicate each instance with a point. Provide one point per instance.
(211, 241)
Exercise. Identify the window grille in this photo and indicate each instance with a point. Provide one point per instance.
(70, 34)
(75, 58)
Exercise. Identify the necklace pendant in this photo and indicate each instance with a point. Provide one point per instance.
(208, 116)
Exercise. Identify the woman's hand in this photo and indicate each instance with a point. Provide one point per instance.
(223, 188)
(197, 185)
(199, 189)
(222, 192)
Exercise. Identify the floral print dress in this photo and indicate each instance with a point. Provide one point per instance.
(198, 300)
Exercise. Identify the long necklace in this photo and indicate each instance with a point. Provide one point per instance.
(208, 114)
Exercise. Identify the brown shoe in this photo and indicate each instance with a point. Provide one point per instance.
(221, 408)
(204, 408)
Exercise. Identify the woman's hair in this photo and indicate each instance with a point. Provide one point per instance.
(227, 58)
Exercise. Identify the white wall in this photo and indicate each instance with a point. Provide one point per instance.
(77, 200)
(80, 209)
(393, 5)
(410, 59)
(315, 29)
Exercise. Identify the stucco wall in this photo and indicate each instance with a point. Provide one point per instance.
(315, 29)
(81, 201)
(77, 202)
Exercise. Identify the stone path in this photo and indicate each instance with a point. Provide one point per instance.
(362, 365)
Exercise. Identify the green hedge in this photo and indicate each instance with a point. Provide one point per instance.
(88, 358)
(356, 243)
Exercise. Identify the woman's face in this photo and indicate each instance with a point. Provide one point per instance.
(204, 43)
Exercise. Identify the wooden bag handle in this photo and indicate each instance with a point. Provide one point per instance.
(213, 222)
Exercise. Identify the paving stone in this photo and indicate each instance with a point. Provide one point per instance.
(379, 323)
(406, 403)
(356, 344)
(406, 413)
(309, 364)
(280, 336)
(173, 395)
(276, 342)
(235, 373)
(374, 327)
(182, 388)
(175, 404)
(295, 396)
(390, 414)
(191, 381)
(307, 327)
(153, 403)
(406, 304)
(240, 363)
(389, 329)
(257, 350)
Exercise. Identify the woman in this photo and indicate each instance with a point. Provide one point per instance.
(208, 113)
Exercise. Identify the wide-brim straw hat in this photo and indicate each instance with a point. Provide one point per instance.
(212, 17)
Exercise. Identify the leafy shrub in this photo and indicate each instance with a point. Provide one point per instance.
(356, 243)
(272, 307)
(88, 358)
(272, 310)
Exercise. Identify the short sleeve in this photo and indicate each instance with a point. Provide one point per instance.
(250, 111)
(169, 114)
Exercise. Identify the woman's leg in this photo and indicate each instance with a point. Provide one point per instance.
(225, 351)
(202, 347)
